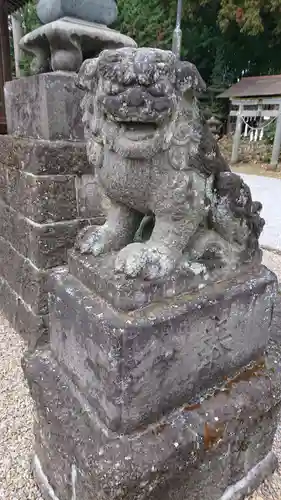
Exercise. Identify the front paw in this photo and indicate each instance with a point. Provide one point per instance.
(93, 240)
(145, 260)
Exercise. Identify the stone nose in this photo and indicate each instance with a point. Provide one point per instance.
(135, 97)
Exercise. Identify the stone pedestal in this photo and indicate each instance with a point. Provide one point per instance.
(173, 401)
(44, 176)
(157, 380)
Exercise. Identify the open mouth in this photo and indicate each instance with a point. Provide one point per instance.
(138, 131)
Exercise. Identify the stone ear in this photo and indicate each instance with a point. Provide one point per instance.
(188, 77)
(86, 78)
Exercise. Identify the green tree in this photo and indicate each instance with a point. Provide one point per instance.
(150, 23)
(30, 22)
(250, 15)
(29, 17)
(224, 38)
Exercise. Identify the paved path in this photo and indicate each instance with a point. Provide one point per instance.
(268, 191)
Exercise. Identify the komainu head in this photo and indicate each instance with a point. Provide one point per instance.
(133, 97)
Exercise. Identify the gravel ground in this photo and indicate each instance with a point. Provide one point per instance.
(16, 437)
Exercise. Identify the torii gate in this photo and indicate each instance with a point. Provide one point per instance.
(256, 97)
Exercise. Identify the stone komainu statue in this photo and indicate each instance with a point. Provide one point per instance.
(155, 156)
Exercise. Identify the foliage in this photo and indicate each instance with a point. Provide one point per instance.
(30, 22)
(250, 15)
(29, 17)
(148, 22)
(224, 38)
(269, 133)
(215, 36)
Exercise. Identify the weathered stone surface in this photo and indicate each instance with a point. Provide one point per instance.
(135, 367)
(44, 157)
(44, 107)
(43, 199)
(98, 274)
(46, 199)
(90, 201)
(158, 157)
(46, 245)
(24, 278)
(32, 327)
(276, 320)
(37, 178)
(3, 182)
(95, 11)
(37, 187)
(195, 452)
(62, 45)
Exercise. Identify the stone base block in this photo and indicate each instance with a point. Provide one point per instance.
(45, 106)
(238, 491)
(43, 199)
(48, 181)
(24, 278)
(43, 156)
(128, 294)
(32, 327)
(46, 245)
(218, 449)
(276, 322)
(134, 367)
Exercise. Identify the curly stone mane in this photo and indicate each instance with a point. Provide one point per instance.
(239, 197)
